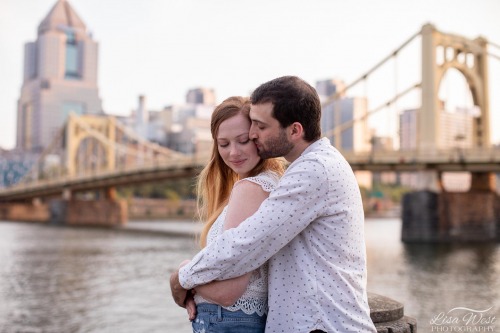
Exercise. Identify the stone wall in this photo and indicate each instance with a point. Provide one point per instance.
(144, 208)
(88, 212)
(25, 212)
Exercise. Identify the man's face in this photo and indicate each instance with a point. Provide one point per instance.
(269, 137)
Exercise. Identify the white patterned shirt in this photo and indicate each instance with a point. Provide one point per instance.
(311, 231)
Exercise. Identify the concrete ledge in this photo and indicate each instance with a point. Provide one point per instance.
(384, 309)
(388, 315)
(403, 325)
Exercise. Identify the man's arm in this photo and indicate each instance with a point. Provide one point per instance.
(246, 197)
(291, 207)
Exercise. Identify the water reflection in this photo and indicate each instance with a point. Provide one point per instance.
(432, 278)
(87, 280)
(97, 280)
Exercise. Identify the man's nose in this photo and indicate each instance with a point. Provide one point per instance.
(252, 133)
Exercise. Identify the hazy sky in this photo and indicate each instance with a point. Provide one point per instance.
(162, 48)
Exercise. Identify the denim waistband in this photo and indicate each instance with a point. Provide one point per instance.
(215, 308)
(207, 307)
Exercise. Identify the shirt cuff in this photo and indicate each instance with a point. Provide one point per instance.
(184, 279)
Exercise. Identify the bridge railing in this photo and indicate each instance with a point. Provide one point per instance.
(194, 161)
(485, 159)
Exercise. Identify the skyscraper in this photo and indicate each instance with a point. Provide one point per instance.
(60, 77)
(343, 111)
(201, 96)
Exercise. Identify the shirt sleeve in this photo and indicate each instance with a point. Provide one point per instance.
(291, 207)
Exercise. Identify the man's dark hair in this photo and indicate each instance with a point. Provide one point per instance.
(294, 100)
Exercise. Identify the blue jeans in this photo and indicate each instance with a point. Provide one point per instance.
(212, 318)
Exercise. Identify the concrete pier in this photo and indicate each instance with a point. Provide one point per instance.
(473, 216)
(88, 212)
(26, 212)
(388, 315)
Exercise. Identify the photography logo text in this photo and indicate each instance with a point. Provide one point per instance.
(461, 319)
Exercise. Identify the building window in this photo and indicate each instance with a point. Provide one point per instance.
(71, 56)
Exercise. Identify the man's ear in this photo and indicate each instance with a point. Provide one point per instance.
(296, 130)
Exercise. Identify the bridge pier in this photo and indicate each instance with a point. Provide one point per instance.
(472, 216)
(24, 212)
(88, 212)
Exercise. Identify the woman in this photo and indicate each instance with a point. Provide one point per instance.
(231, 188)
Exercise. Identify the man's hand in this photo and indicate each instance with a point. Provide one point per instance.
(191, 306)
(178, 293)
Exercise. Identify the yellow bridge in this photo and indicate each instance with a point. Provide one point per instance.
(99, 153)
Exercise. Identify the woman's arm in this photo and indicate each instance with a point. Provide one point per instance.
(245, 199)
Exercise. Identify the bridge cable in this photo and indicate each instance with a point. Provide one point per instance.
(347, 124)
(396, 86)
(370, 71)
(494, 44)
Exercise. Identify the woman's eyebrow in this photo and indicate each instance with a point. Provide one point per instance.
(238, 136)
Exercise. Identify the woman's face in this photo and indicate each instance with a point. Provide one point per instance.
(235, 147)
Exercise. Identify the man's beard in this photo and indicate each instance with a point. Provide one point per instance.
(276, 147)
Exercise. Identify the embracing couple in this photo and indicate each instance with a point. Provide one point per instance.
(282, 251)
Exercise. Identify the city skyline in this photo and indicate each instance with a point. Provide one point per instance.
(166, 48)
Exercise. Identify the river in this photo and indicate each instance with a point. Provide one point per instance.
(58, 279)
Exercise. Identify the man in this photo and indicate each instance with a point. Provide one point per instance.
(310, 228)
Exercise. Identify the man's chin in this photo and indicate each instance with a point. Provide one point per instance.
(265, 154)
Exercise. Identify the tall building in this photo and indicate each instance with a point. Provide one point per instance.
(456, 134)
(60, 77)
(189, 132)
(455, 128)
(204, 96)
(344, 111)
(327, 88)
(408, 130)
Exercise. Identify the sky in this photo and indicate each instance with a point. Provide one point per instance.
(162, 48)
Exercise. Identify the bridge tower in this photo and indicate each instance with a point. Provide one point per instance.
(470, 57)
(100, 129)
(441, 215)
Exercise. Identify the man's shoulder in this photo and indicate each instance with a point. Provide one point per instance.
(321, 152)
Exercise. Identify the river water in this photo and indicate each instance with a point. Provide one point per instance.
(57, 279)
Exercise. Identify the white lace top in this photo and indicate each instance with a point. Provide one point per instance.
(254, 299)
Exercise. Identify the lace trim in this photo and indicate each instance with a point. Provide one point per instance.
(250, 306)
(267, 180)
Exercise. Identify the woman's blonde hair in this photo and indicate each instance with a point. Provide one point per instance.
(216, 180)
